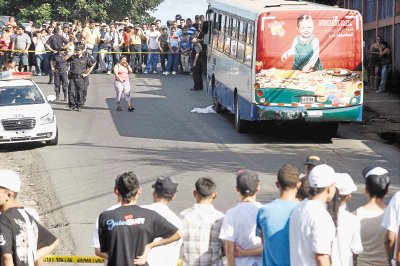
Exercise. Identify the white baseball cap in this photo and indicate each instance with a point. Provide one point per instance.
(322, 176)
(345, 184)
(10, 180)
(374, 171)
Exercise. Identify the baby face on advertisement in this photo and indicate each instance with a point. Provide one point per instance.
(306, 28)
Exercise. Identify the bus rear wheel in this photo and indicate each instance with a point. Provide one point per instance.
(241, 125)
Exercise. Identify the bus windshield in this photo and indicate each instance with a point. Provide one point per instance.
(310, 58)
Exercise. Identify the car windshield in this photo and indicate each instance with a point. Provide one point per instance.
(21, 95)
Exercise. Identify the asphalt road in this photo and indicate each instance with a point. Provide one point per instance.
(163, 137)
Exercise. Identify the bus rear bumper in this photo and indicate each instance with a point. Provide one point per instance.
(344, 114)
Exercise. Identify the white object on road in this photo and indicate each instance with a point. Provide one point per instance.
(207, 110)
(51, 98)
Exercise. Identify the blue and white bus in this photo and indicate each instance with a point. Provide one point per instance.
(285, 61)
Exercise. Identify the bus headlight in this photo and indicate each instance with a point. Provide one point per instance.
(47, 119)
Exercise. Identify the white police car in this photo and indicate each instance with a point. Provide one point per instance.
(25, 114)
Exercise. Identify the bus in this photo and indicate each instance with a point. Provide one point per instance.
(283, 61)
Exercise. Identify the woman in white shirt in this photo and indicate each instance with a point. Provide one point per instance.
(370, 215)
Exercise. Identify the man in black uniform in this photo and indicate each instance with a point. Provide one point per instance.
(127, 233)
(80, 67)
(197, 63)
(23, 241)
(60, 69)
(55, 43)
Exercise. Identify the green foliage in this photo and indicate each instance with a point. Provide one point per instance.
(40, 11)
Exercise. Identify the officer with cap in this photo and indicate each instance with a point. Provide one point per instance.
(80, 67)
(59, 66)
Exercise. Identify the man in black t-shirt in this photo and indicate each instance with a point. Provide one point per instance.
(23, 241)
(127, 233)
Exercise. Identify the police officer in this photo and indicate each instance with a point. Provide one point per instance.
(59, 67)
(55, 43)
(197, 63)
(80, 67)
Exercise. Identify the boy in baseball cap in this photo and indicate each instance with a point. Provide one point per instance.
(164, 193)
(17, 226)
(311, 229)
(239, 224)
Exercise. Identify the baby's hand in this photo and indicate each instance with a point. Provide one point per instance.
(284, 57)
(307, 68)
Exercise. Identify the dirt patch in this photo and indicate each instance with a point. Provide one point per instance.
(37, 192)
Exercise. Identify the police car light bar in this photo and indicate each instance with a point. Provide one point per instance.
(8, 75)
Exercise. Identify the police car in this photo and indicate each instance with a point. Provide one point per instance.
(25, 114)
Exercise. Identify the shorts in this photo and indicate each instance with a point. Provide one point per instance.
(21, 58)
(122, 89)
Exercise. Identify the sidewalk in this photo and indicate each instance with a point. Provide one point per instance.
(381, 117)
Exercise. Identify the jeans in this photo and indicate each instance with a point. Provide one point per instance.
(145, 56)
(45, 64)
(173, 60)
(39, 58)
(102, 60)
(384, 75)
(112, 59)
(185, 62)
(135, 58)
(152, 61)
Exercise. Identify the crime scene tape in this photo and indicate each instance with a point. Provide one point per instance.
(78, 259)
(98, 52)
(73, 259)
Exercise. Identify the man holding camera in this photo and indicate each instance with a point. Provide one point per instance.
(115, 41)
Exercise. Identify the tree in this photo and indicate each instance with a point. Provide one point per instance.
(62, 10)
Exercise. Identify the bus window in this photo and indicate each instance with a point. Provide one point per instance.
(221, 34)
(249, 54)
(234, 37)
(216, 26)
(228, 34)
(240, 44)
(250, 34)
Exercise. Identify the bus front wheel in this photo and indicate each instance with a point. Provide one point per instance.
(241, 125)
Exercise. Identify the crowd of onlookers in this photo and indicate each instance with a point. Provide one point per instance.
(308, 224)
(145, 45)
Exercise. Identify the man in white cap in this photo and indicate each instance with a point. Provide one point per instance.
(391, 220)
(311, 228)
(23, 241)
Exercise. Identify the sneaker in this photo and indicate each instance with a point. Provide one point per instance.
(119, 108)
(173, 72)
(39, 74)
(146, 72)
(108, 72)
(79, 109)
(70, 108)
(155, 72)
(166, 73)
(130, 109)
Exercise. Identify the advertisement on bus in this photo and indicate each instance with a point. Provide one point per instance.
(309, 58)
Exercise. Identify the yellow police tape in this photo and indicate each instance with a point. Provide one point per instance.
(99, 52)
(78, 259)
